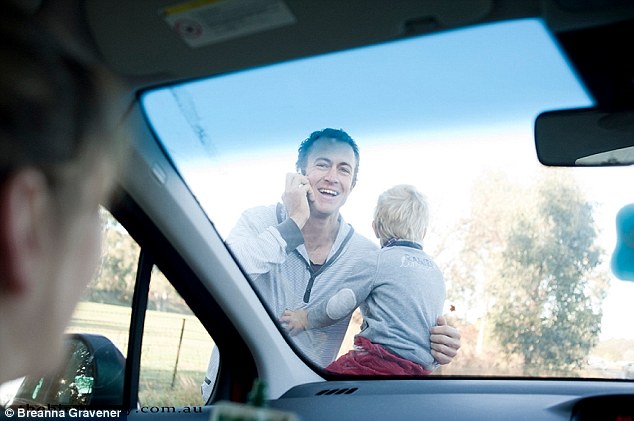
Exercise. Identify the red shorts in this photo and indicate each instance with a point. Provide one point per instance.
(369, 359)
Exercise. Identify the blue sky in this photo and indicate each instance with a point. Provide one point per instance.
(480, 75)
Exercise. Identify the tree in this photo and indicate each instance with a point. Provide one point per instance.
(113, 283)
(471, 270)
(525, 277)
(548, 292)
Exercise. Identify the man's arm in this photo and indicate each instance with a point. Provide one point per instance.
(259, 242)
(445, 341)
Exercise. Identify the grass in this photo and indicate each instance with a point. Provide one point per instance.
(171, 369)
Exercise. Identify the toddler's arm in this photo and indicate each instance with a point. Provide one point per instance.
(342, 304)
(327, 312)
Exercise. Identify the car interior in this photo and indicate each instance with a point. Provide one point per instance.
(515, 118)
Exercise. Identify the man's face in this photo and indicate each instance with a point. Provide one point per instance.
(330, 166)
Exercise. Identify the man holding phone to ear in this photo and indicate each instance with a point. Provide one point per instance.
(301, 251)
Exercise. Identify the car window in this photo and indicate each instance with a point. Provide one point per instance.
(175, 346)
(106, 306)
(176, 349)
(524, 249)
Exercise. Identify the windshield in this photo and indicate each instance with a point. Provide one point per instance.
(514, 254)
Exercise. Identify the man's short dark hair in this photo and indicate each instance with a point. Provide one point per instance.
(338, 135)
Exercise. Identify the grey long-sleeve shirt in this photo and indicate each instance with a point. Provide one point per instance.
(269, 247)
(400, 291)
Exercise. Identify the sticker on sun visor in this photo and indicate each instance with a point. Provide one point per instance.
(205, 22)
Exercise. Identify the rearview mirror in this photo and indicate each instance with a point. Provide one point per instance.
(585, 137)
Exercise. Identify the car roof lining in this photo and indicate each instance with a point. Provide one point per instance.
(139, 44)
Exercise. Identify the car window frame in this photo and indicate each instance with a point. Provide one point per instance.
(237, 369)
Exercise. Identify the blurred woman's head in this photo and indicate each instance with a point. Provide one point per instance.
(58, 154)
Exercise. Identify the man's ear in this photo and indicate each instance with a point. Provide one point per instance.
(22, 223)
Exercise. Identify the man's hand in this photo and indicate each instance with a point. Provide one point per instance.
(445, 341)
(296, 196)
(294, 321)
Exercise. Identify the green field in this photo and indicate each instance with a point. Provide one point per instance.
(171, 369)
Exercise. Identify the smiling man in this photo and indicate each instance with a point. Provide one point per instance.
(299, 252)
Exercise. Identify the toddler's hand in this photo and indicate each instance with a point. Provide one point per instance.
(294, 321)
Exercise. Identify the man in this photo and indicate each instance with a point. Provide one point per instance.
(300, 252)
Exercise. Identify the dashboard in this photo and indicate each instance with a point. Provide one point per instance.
(460, 399)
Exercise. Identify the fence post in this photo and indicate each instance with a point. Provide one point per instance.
(178, 352)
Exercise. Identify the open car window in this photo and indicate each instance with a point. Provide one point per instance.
(524, 249)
